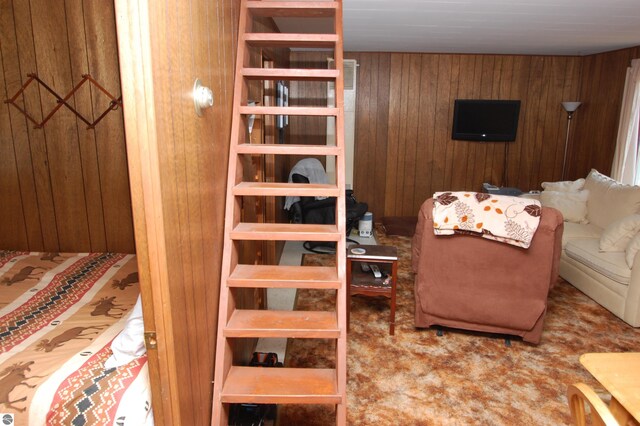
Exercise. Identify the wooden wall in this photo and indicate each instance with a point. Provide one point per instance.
(404, 150)
(595, 123)
(178, 168)
(404, 112)
(62, 187)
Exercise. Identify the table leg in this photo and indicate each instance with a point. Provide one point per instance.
(348, 284)
(394, 276)
(621, 414)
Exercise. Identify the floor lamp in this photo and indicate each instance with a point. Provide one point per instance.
(570, 107)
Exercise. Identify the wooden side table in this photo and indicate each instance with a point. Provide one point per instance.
(364, 283)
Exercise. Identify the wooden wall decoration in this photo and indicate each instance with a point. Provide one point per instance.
(63, 187)
(114, 102)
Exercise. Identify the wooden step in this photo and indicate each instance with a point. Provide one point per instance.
(272, 323)
(286, 149)
(308, 111)
(275, 276)
(284, 232)
(289, 74)
(284, 189)
(326, 41)
(281, 386)
(293, 9)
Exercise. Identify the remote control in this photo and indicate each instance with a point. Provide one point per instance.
(364, 267)
(376, 271)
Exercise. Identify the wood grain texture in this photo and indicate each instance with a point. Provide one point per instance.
(177, 166)
(72, 187)
(404, 113)
(595, 124)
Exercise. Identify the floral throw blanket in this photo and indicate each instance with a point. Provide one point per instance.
(511, 220)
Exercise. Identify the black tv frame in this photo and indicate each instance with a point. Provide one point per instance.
(510, 136)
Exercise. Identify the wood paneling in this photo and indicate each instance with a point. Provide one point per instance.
(69, 187)
(404, 115)
(307, 130)
(178, 166)
(595, 123)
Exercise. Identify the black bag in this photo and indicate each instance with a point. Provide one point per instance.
(325, 214)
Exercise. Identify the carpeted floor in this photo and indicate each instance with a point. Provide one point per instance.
(418, 378)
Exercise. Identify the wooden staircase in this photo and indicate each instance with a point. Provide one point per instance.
(238, 384)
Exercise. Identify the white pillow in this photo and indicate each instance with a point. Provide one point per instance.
(572, 205)
(610, 200)
(617, 235)
(564, 186)
(632, 250)
(129, 344)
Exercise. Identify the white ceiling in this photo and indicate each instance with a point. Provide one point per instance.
(541, 27)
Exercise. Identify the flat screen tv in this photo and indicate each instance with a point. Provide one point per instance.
(485, 120)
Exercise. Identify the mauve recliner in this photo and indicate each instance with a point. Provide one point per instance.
(473, 283)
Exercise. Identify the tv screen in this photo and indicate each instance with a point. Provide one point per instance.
(485, 120)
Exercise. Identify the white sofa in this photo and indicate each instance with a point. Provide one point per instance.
(601, 240)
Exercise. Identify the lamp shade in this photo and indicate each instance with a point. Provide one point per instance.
(571, 106)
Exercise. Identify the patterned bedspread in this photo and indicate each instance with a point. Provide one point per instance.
(59, 313)
(510, 220)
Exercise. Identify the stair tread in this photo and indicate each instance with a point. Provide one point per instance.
(289, 74)
(272, 323)
(287, 149)
(281, 385)
(235, 384)
(273, 110)
(309, 9)
(291, 40)
(285, 232)
(276, 276)
(284, 189)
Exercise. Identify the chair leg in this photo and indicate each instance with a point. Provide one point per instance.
(507, 341)
(439, 332)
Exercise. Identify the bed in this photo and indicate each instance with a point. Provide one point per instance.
(71, 340)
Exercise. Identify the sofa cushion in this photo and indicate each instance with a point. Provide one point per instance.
(575, 230)
(564, 186)
(609, 264)
(572, 205)
(618, 234)
(609, 200)
(632, 249)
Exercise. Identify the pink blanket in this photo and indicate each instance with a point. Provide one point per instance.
(511, 220)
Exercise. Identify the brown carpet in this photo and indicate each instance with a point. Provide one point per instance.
(418, 378)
